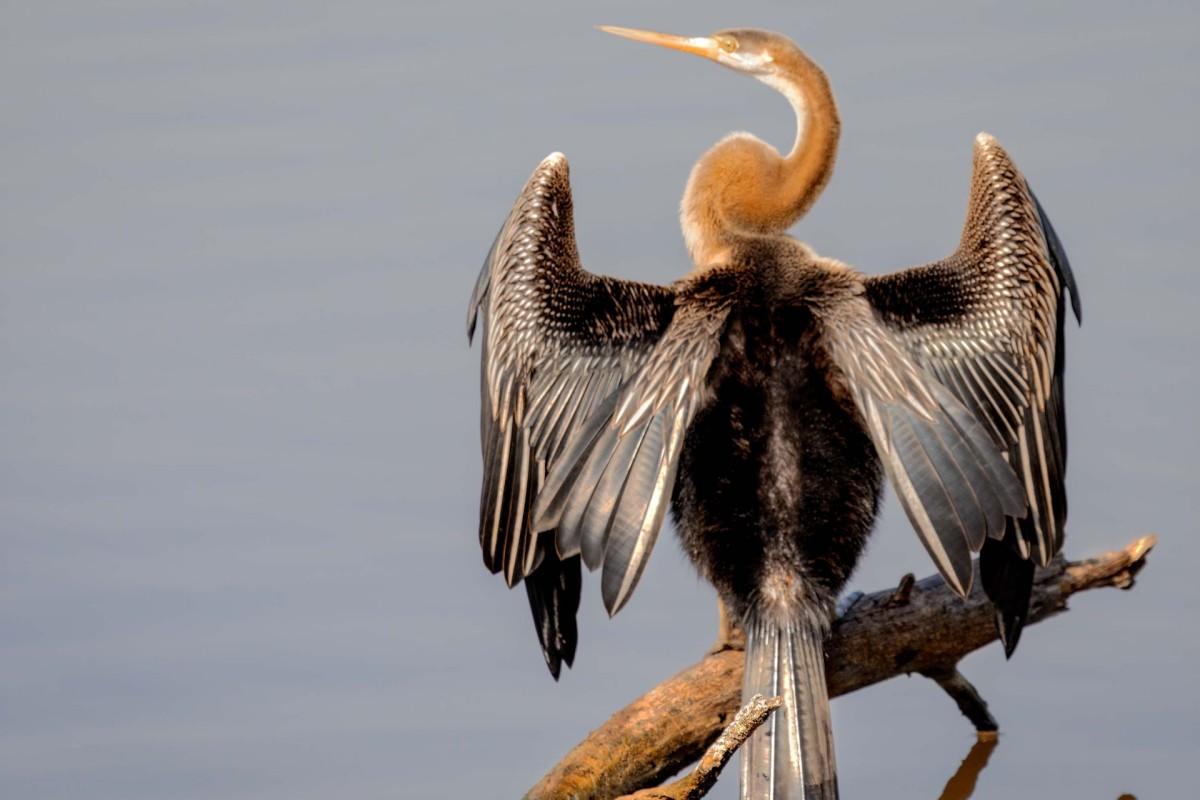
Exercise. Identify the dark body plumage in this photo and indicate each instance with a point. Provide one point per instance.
(778, 476)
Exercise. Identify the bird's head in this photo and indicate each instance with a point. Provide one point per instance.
(748, 50)
(743, 186)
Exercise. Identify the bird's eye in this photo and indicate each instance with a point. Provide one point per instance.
(728, 43)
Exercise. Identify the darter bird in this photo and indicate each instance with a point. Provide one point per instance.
(764, 396)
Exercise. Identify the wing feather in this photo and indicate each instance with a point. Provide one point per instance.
(608, 493)
(557, 342)
(952, 481)
(987, 322)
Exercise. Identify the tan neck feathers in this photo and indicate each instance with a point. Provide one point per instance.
(743, 187)
(807, 168)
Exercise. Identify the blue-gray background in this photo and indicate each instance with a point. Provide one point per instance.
(238, 417)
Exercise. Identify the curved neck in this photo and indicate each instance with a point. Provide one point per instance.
(807, 168)
(743, 187)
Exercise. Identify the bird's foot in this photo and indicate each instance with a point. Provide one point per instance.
(735, 640)
(903, 592)
(848, 602)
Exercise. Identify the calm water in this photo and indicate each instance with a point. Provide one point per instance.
(240, 462)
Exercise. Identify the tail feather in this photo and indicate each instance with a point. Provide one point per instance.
(791, 756)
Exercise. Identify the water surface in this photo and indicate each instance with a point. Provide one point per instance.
(240, 464)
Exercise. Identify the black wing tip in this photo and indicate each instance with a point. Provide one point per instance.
(472, 313)
(553, 663)
(560, 654)
(479, 292)
(1008, 581)
(1059, 256)
(473, 309)
(554, 589)
(1009, 628)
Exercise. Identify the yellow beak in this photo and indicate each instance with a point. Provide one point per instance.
(696, 45)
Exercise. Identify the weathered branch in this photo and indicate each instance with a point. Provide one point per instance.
(966, 696)
(925, 629)
(697, 783)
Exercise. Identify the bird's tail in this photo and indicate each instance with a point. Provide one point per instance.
(791, 756)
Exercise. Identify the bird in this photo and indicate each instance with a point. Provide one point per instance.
(765, 397)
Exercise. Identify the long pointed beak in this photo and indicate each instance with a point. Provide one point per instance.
(696, 45)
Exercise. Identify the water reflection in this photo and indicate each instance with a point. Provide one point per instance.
(962, 783)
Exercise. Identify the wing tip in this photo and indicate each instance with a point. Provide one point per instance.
(615, 599)
(554, 664)
(480, 290)
(1007, 578)
(986, 144)
(960, 586)
(476, 301)
(985, 139)
(553, 167)
(1059, 256)
(1009, 630)
(553, 590)
(987, 148)
(555, 164)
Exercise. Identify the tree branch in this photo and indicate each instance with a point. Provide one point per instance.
(926, 629)
(964, 693)
(697, 783)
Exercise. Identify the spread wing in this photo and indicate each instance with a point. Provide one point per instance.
(557, 343)
(950, 478)
(608, 493)
(987, 323)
